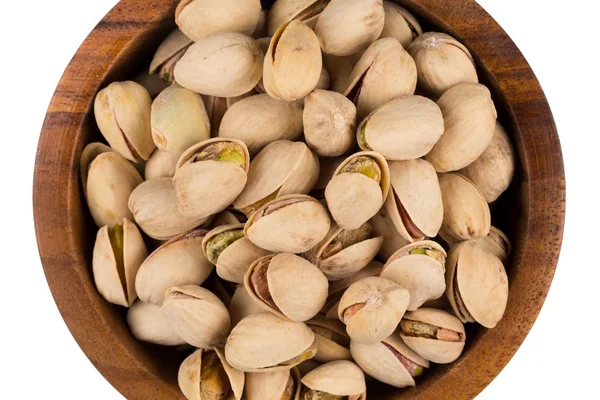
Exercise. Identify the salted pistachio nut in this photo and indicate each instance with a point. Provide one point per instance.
(206, 375)
(384, 227)
(294, 47)
(119, 251)
(400, 24)
(266, 343)
(287, 285)
(333, 343)
(497, 243)
(89, 154)
(280, 385)
(434, 334)
(469, 124)
(178, 262)
(160, 165)
(442, 62)
(242, 305)
(339, 69)
(337, 378)
(372, 308)
(168, 53)
(384, 72)
(284, 11)
(147, 322)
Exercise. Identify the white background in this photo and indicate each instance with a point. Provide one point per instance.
(40, 359)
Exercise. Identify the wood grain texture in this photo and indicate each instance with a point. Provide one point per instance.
(532, 211)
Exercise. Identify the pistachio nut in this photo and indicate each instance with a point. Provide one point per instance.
(122, 112)
(229, 217)
(260, 119)
(327, 167)
(199, 19)
(493, 171)
(434, 334)
(118, 253)
(284, 11)
(288, 224)
(222, 65)
(477, 284)
(416, 207)
(89, 154)
(496, 243)
(372, 309)
(418, 267)
(346, 27)
(333, 343)
(177, 262)
(403, 129)
(231, 252)
(384, 72)
(168, 53)
(294, 47)
(261, 27)
(151, 82)
(266, 343)
(469, 123)
(390, 361)
(179, 120)
(400, 24)
(329, 123)
(336, 380)
(358, 189)
(392, 240)
(442, 62)
(206, 375)
(466, 213)
(287, 285)
(210, 175)
(148, 323)
(339, 69)
(160, 165)
(216, 107)
(281, 168)
(337, 288)
(242, 305)
(280, 385)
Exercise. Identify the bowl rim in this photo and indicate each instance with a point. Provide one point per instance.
(58, 214)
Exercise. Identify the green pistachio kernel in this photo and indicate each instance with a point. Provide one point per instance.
(220, 242)
(364, 165)
(214, 382)
(418, 251)
(223, 151)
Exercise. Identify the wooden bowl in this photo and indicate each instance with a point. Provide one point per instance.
(531, 212)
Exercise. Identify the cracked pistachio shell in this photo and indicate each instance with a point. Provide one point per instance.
(89, 154)
(190, 377)
(281, 168)
(416, 207)
(148, 323)
(346, 27)
(339, 69)
(293, 63)
(496, 243)
(179, 120)
(403, 129)
(437, 351)
(353, 197)
(231, 251)
(337, 288)
(118, 253)
(442, 62)
(477, 284)
(383, 302)
(400, 24)
(384, 72)
(199, 19)
(216, 107)
(110, 180)
(469, 124)
(207, 186)
(378, 361)
(122, 111)
(280, 385)
(177, 262)
(284, 11)
(421, 274)
(466, 213)
(222, 65)
(242, 305)
(260, 119)
(197, 315)
(168, 53)
(328, 347)
(297, 288)
(384, 227)
(329, 123)
(493, 171)
(160, 165)
(266, 343)
(340, 378)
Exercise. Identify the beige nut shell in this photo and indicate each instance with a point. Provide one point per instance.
(160, 165)
(173, 44)
(147, 322)
(327, 349)
(340, 378)
(271, 385)
(400, 24)
(242, 305)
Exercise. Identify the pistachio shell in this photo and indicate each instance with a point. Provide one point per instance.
(284, 11)
(222, 65)
(273, 385)
(346, 27)
(339, 69)
(148, 323)
(199, 19)
(329, 349)
(496, 243)
(341, 378)
(89, 154)
(173, 44)
(384, 227)
(160, 165)
(400, 24)
(469, 121)
(242, 305)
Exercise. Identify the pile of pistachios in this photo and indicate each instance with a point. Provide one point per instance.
(276, 201)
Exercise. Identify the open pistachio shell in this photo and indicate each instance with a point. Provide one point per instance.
(384, 227)
(118, 253)
(89, 154)
(284, 11)
(122, 111)
(148, 323)
(222, 65)
(259, 120)
(294, 47)
(466, 213)
(160, 165)
(287, 285)
(358, 189)
(384, 72)
(338, 378)
(339, 69)
(337, 288)
(418, 267)
(333, 343)
(400, 24)
(415, 205)
(372, 308)
(469, 123)
(442, 62)
(178, 262)
(266, 343)
(280, 385)
(242, 305)
(168, 53)
(496, 243)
